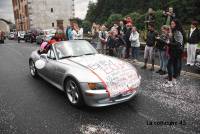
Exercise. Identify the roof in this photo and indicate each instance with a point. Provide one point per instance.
(8, 22)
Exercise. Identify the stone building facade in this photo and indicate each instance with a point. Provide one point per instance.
(20, 9)
(42, 14)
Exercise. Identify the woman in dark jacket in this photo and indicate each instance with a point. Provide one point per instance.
(112, 43)
(175, 44)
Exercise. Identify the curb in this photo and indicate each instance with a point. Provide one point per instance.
(194, 75)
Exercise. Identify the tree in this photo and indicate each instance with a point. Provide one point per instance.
(91, 14)
(114, 18)
(185, 10)
(86, 26)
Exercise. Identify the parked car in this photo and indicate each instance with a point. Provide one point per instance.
(2, 37)
(45, 35)
(30, 37)
(20, 35)
(11, 36)
(197, 62)
(86, 77)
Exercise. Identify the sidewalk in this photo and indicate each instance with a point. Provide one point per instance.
(157, 62)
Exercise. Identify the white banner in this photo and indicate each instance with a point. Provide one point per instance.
(118, 76)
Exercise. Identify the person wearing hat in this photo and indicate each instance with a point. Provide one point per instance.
(193, 40)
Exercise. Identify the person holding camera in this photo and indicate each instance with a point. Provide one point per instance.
(170, 15)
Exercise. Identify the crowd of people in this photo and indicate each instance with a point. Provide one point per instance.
(123, 40)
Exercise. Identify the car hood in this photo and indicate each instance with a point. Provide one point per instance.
(116, 75)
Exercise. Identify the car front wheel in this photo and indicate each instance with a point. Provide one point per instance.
(33, 69)
(73, 93)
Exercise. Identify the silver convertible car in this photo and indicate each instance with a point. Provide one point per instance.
(86, 77)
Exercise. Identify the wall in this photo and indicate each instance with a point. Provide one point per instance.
(20, 10)
(42, 17)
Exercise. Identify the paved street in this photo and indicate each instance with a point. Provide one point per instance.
(32, 106)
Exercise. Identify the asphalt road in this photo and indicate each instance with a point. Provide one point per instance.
(32, 106)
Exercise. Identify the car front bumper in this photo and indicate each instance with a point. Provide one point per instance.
(100, 98)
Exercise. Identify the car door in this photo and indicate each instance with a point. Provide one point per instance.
(50, 67)
(60, 68)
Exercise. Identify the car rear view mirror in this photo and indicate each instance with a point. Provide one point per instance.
(43, 56)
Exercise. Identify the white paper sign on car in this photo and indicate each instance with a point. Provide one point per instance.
(118, 76)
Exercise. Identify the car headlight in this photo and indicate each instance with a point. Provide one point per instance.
(96, 86)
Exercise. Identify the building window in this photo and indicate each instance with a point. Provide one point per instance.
(26, 10)
(52, 10)
(52, 24)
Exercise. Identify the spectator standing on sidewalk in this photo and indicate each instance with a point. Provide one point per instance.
(95, 35)
(149, 52)
(135, 43)
(121, 28)
(69, 31)
(161, 45)
(112, 43)
(193, 40)
(170, 15)
(101, 47)
(174, 46)
(126, 38)
(120, 43)
(77, 33)
(179, 28)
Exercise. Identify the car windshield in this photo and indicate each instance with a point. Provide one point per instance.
(74, 49)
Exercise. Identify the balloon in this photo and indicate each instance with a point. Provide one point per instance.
(40, 64)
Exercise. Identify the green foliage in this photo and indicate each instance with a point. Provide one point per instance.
(86, 26)
(135, 16)
(91, 14)
(114, 18)
(160, 20)
(185, 10)
(138, 19)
